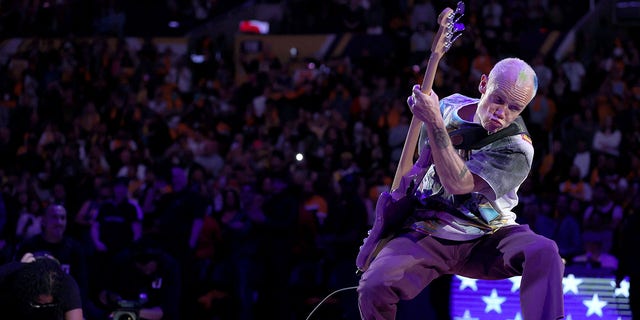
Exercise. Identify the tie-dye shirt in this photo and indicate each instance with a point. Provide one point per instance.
(504, 164)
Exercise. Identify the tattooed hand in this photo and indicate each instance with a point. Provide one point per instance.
(425, 107)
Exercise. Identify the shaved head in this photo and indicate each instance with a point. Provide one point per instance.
(516, 78)
(506, 91)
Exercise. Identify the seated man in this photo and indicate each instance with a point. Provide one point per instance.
(37, 288)
(69, 253)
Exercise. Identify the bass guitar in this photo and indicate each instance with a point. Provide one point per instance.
(393, 207)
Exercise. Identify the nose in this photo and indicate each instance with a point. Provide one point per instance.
(499, 112)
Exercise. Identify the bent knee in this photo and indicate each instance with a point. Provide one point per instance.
(543, 249)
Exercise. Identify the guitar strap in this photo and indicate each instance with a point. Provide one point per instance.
(473, 136)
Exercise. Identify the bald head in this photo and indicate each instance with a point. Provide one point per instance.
(506, 91)
(55, 209)
(516, 78)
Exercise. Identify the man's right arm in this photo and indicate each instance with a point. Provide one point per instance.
(454, 175)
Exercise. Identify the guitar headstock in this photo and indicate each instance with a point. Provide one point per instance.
(449, 29)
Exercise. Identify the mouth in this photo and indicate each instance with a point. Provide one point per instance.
(495, 122)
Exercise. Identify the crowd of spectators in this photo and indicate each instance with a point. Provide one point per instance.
(55, 18)
(263, 190)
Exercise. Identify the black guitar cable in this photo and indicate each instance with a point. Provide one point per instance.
(327, 297)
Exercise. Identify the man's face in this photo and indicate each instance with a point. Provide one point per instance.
(55, 221)
(504, 97)
(120, 192)
(44, 299)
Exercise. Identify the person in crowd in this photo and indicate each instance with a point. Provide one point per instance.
(55, 242)
(118, 223)
(143, 278)
(607, 138)
(180, 214)
(595, 258)
(280, 208)
(340, 242)
(28, 224)
(36, 288)
(87, 215)
(568, 231)
(601, 218)
(235, 262)
(178, 223)
(69, 252)
(575, 186)
(554, 165)
(575, 72)
(463, 223)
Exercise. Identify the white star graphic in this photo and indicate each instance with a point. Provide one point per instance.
(569, 317)
(594, 305)
(493, 302)
(466, 316)
(570, 283)
(623, 290)
(518, 317)
(467, 282)
(515, 283)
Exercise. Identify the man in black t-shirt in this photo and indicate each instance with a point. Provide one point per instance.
(118, 223)
(69, 253)
(147, 278)
(36, 288)
(53, 241)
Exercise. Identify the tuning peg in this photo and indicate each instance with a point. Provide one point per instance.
(460, 8)
(450, 42)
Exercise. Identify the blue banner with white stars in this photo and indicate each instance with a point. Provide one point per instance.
(586, 297)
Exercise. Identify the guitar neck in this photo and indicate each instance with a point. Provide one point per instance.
(408, 150)
(447, 20)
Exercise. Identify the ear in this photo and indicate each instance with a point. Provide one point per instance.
(484, 80)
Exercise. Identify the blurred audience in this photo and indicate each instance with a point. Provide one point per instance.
(262, 188)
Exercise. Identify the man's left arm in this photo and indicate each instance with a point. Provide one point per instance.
(74, 314)
(72, 302)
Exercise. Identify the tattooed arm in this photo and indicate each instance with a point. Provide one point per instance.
(454, 175)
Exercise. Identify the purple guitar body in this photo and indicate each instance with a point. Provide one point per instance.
(392, 210)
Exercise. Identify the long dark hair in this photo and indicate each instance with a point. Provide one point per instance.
(41, 277)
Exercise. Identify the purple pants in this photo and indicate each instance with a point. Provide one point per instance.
(407, 265)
